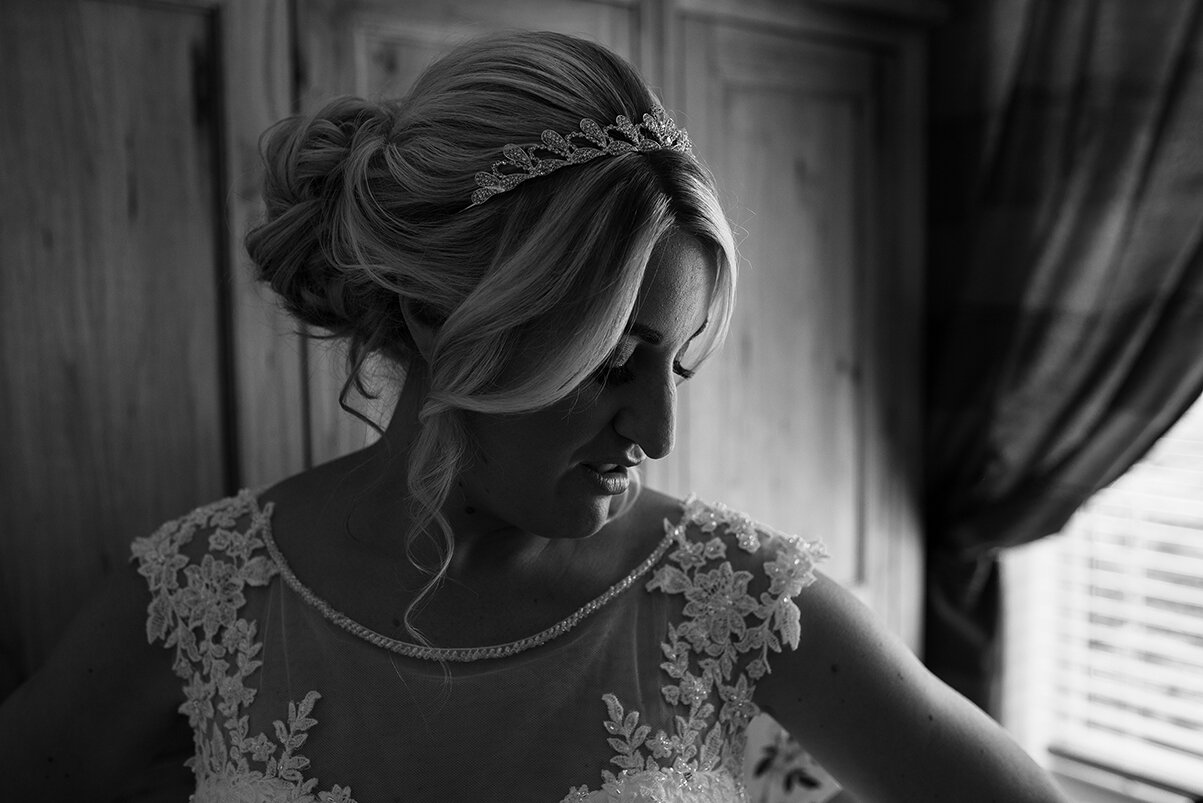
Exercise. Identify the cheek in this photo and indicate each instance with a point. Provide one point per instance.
(504, 452)
(537, 443)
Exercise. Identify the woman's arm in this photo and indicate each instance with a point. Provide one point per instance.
(100, 710)
(864, 706)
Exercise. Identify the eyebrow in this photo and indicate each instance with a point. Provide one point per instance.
(653, 338)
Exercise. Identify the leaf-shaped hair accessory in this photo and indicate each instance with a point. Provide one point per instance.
(656, 131)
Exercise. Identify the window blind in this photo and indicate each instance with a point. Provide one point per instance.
(1125, 590)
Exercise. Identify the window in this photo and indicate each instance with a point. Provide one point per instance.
(1103, 634)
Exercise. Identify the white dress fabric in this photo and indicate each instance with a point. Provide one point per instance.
(647, 698)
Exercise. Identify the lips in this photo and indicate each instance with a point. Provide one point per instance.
(610, 479)
(617, 466)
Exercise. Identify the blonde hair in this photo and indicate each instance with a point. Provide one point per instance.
(367, 205)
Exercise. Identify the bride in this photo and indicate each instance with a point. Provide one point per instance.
(485, 604)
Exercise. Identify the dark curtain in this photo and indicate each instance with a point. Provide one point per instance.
(1065, 306)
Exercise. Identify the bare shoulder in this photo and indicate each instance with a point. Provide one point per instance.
(863, 704)
(653, 507)
(104, 705)
(311, 510)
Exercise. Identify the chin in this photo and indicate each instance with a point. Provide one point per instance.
(581, 520)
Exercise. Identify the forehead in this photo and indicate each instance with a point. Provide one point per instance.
(677, 286)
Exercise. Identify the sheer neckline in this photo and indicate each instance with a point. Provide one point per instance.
(457, 654)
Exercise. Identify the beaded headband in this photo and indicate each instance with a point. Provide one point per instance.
(656, 132)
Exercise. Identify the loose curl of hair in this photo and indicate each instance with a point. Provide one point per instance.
(529, 292)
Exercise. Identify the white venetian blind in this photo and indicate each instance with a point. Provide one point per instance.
(1109, 619)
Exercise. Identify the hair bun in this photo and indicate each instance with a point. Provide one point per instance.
(310, 164)
(305, 155)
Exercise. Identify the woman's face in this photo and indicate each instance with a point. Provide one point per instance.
(555, 472)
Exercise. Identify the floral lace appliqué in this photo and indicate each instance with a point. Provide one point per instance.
(195, 608)
(713, 658)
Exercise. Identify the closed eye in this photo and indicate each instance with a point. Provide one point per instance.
(610, 374)
(617, 370)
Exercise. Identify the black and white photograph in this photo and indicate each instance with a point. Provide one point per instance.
(601, 401)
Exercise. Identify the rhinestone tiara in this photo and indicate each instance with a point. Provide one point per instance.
(656, 132)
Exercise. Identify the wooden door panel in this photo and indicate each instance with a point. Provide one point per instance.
(772, 426)
(141, 372)
(110, 267)
(268, 366)
(813, 127)
(391, 50)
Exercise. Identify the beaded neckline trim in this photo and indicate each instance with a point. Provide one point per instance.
(462, 654)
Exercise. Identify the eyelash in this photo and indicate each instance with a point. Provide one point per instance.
(621, 374)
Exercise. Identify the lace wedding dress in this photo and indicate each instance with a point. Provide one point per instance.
(642, 695)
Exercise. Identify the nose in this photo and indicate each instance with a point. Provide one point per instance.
(648, 417)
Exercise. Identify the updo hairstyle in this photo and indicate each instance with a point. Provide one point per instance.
(530, 291)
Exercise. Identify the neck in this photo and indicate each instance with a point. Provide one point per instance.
(480, 539)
